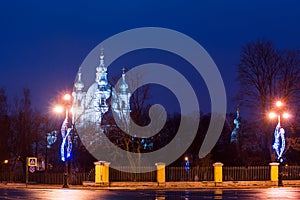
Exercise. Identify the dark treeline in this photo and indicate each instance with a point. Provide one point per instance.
(23, 132)
(265, 74)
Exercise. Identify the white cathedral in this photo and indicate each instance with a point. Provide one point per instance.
(89, 105)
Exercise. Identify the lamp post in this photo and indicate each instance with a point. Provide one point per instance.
(187, 167)
(279, 142)
(66, 132)
(279, 138)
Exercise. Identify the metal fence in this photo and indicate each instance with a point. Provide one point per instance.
(192, 174)
(124, 174)
(290, 172)
(230, 173)
(12, 177)
(46, 178)
(246, 173)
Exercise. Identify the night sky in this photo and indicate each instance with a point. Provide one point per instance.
(44, 43)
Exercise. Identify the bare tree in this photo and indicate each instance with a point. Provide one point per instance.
(25, 128)
(266, 74)
(139, 100)
(4, 126)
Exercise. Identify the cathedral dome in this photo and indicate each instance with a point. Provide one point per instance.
(79, 85)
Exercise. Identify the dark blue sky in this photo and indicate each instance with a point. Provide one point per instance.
(44, 43)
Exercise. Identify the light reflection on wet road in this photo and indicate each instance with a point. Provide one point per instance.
(76, 194)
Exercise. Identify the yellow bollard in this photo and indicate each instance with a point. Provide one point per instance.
(102, 172)
(218, 175)
(274, 171)
(161, 173)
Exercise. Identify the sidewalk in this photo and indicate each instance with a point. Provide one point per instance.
(162, 186)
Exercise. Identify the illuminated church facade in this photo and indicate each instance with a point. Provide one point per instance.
(90, 104)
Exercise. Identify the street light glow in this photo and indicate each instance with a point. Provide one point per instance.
(285, 115)
(278, 103)
(67, 97)
(272, 115)
(58, 109)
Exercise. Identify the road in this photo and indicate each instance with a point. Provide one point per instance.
(76, 194)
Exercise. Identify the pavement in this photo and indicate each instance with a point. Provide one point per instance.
(156, 186)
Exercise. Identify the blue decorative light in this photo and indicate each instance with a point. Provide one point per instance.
(187, 164)
(51, 138)
(66, 145)
(235, 133)
(279, 143)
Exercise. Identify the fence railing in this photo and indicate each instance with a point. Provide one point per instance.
(290, 172)
(246, 173)
(11, 177)
(191, 174)
(124, 175)
(230, 173)
(46, 178)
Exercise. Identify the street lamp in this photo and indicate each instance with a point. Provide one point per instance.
(279, 142)
(187, 166)
(279, 139)
(66, 132)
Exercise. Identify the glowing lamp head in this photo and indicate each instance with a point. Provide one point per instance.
(285, 115)
(5, 161)
(67, 97)
(58, 109)
(278, 103)
(272, 115)
(186, 158)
